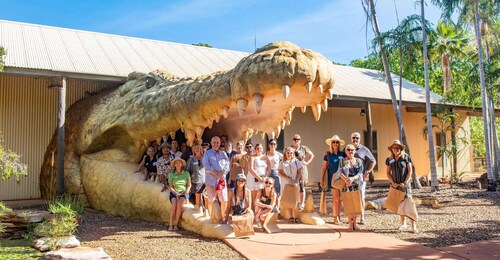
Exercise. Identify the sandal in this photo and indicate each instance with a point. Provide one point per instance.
(402, 228)
(297, 220)
(301, 207)
(291, 220)
(176, 228)
(170, 228)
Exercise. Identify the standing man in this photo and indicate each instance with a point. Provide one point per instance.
(369, 162)
(305, 156)
(216, 165)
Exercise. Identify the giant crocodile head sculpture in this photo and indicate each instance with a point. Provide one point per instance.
(105, 133)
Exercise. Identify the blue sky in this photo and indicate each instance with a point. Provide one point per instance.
(335, 28)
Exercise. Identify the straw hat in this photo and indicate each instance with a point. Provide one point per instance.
(334, 138)
(396, 142)
(178, 159)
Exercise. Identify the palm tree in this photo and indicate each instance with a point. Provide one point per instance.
(449, 41)
(369, 8)
(428, 112)
(467, 7)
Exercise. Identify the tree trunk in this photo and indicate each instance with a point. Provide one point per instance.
(494, 137)
(486, 125)
(445, 63)
(430, 137)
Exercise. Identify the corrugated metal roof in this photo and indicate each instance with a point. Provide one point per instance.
(32, 46)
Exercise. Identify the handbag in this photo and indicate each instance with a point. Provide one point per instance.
(322, 203)
(243, 225)
(290, 196)
(352, 202)
(338, 184)
(216, 214)
(394, 198)
(408, 208)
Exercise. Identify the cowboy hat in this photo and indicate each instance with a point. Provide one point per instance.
(178, 159)
(396, 142)
(334, 138)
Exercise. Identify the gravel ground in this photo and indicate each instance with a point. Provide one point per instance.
(467, 215)
(124, 238)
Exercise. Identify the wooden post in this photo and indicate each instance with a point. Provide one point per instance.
(369, 136)
(61, 112)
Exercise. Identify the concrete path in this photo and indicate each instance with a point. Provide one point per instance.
(300, 241)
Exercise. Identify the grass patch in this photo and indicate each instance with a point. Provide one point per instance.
(18, 249)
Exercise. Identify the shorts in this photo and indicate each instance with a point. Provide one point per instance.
(212, 194)
(197, 188)
(277, 181)
(172, 196)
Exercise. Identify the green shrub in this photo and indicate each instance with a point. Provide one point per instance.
(66, 205)
(59, 226)
(4, 210)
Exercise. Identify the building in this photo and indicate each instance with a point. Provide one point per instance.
(39, 56)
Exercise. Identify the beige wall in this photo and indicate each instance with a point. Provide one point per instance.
(28, 118)
(344, 121)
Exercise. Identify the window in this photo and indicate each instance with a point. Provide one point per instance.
(374, 149)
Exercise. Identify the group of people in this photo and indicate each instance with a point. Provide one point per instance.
(248, 180)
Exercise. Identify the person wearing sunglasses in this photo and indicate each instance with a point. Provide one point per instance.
(195, 167)
(331, 160)
(290, 171)
(239, 198)
(235, 167)
(305, 156)
(258, 170)
(274, 159)
(351, 171)
(399, 170)
(369, 162)
(265, 202)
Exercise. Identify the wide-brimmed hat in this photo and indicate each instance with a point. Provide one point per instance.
(334, 138)
(396, 142)
(178, 159)
(241, 176)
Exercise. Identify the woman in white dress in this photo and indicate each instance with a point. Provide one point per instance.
(290, 171)
(258, 171)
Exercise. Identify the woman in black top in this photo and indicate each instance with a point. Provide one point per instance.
(399, 170)
(149, 163)
(265, 201)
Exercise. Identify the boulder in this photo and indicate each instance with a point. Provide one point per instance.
(377, 204)
(43, 244)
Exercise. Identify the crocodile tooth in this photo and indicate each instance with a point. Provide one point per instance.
(164, 138)
(324, 105)
(158, 140)
(242, 105)
(286, 90)
(190, 137)
(210, 124)
(277, 130)
(270, 135)
(225, 112)
(320, 88)
(303, 109)
(309, 86)
(316, 109)
(262, 135)
(257, 102)
(146, 143)
(216, 117)
(172, 135)
(283, 123)
(330, 92)
(199, 131)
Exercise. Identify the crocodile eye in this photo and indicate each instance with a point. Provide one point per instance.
(150, 82)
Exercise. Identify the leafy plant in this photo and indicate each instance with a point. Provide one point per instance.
(2, 228)
(59, 226)
(10, 165)
(4, 210)
(66, 205)
(458, 177)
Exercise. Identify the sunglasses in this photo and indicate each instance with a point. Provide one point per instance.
(268, 182)
(248, 147)
(242, 180)
(396, 147)
(335, 142)
(296, 139)
(350, 150)
(272, 143)
(354, 137)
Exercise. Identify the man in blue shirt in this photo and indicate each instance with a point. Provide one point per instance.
(369, 162)
(216, 165)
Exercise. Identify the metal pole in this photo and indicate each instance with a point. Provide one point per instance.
(61, 112)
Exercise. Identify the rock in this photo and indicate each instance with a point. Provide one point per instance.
(424, 181)
(377, 204)
(433, 202)
(78, 253)
(43, 244)
(311, 218)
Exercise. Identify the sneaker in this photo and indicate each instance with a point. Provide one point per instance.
(402, 228)
(362, 222)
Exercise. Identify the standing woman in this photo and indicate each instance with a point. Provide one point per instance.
(399, 170)
(257, 171)
(274, 158)
(235, 166)
(195, 168)
(351, 171)
(290, 171)
(265, 202)
(331, 162)
(179, 183)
